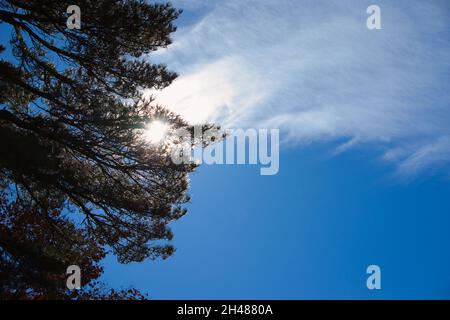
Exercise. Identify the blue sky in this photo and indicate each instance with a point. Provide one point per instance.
(308, 232)
(364, 156)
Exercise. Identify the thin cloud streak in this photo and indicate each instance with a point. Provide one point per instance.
(313, 69)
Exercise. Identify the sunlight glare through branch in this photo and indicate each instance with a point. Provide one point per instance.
(156, 131)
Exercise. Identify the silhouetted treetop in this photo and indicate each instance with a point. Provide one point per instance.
(72, 118)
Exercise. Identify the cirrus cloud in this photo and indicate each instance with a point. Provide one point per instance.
(313, 69)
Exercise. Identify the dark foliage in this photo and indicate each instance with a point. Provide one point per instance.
(71, 122)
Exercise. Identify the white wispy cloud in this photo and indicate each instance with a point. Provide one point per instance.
(313, 69)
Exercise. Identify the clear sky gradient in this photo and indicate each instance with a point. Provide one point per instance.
(309, 232)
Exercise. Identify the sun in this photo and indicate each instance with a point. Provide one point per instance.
(156, 131)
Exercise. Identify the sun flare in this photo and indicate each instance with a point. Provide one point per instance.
(156, 131)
